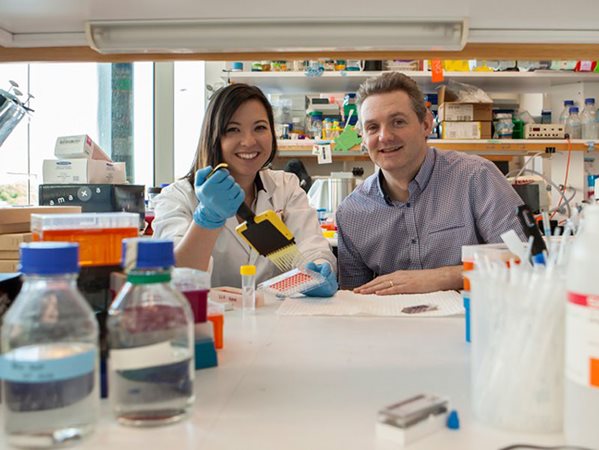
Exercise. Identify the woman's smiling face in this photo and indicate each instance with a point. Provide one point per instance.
(247, 141)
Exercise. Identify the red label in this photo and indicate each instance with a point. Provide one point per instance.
(590, 301)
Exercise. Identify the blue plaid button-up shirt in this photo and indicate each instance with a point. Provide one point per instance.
(455, 199)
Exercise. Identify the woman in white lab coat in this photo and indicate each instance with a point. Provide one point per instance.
(199, 214)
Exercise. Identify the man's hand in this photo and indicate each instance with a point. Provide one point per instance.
(414, 281)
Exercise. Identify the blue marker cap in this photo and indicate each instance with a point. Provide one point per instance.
(453, 420)
(538, 259)
(49, 258)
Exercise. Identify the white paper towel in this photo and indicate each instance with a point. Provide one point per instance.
(347, 303)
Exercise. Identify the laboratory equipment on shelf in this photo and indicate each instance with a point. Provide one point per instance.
(573, 124)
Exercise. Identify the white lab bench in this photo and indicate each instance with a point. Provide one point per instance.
(316, 383)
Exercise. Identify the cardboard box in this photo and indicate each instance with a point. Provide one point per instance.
(465, 130)
(452, 110)
(9, 266)
(77, 147)
(17, 219)
(465, 112)
(83, 171)
(9, 254)
(12, 241)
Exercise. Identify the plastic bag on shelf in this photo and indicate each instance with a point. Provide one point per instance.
(465, 93)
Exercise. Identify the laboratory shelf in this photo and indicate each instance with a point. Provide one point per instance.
(349, 81)
(509, 147)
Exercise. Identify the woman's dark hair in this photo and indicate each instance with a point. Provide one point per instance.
(221, 108)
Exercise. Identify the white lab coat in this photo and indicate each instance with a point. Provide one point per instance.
(176, 203)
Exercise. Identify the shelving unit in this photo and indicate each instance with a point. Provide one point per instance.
(513, 146)
(510, 87)
(504, 147)
(347, 81)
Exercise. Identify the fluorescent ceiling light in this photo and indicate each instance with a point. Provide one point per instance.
(276, 35)
(54, 39)
(5, 38)
(532, 36)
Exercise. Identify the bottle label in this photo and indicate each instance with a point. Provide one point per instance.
(159, 354)
(582, 339)
(19, 367)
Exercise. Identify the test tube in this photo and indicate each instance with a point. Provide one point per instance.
(248, 287)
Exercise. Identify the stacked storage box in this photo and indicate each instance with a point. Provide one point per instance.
(15, 225)
(464, 120)
(81, 160)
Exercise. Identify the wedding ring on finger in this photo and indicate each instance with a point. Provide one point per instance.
(390, 283)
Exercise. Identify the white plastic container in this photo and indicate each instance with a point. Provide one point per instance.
(517, 349)
(581, 402)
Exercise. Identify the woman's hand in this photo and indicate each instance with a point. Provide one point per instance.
(330, 287)
(219, 196)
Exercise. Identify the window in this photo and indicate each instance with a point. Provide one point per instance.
(112, 103)
(14, 170)
(189, 80)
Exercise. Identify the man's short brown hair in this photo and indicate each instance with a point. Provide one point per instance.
(391, 82)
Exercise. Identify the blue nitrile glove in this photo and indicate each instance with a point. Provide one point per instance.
(329, 287)
(219, 197)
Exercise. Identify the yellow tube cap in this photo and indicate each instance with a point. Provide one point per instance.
(247, 270)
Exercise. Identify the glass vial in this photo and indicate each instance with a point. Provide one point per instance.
(573, 124)
(248, 287)
(150, 338)
(49, 352)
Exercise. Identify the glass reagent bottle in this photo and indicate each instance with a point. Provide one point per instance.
(150, 335)
(49, 357)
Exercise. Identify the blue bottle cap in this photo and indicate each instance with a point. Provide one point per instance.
(141, 253)
(49, 258)
(589, 101)
(573, 109)
(568, 102)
